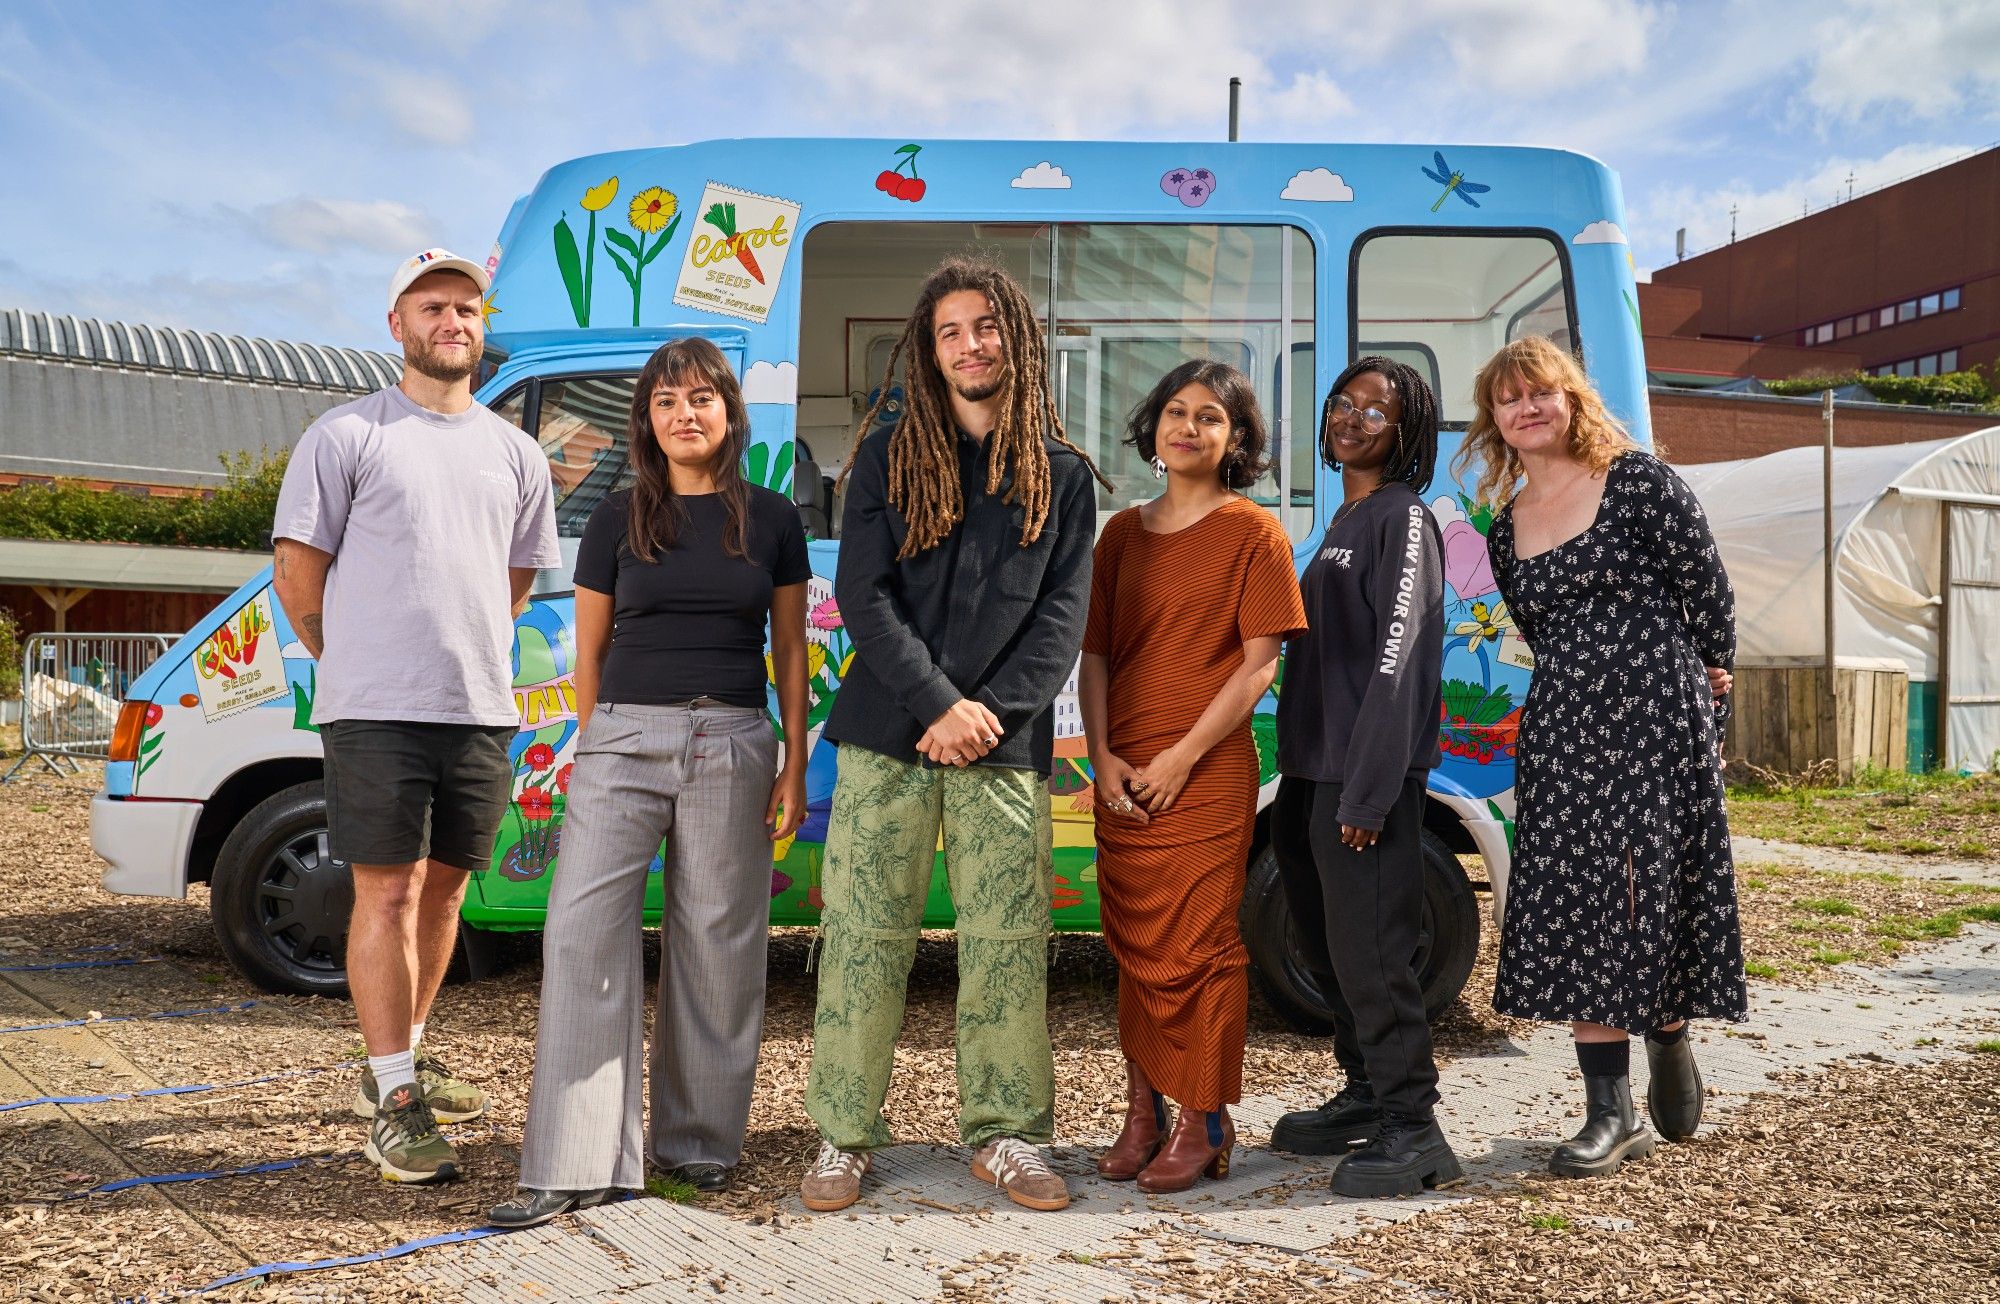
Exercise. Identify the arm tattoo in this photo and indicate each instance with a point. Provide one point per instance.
(315, 634)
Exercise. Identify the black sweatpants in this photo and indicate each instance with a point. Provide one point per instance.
(1359, 916)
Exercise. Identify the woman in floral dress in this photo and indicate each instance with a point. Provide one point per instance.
(1621, 907)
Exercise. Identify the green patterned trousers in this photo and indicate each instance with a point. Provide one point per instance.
(881, 843)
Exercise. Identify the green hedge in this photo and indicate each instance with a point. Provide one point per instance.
(235, 516)
(10, 656)
(1967, 387)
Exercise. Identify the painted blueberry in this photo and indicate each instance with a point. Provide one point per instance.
(1195, 193)
(1172, 182)
(1206, 178)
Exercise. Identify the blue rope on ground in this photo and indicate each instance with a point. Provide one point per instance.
(79, 964)
(352, 1260)
(169, 1179)
(165, 1091)
(127, 1018)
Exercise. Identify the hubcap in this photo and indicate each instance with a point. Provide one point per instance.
(303, 903)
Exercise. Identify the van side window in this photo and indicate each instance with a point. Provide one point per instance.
(580, 424)
(1443, 302)
(1122, 304)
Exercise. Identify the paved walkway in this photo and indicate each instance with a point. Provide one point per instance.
(926, 1229)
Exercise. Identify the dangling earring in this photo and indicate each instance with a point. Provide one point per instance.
(1159, 468)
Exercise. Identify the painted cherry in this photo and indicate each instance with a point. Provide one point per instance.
(887, 180)
(912, 189)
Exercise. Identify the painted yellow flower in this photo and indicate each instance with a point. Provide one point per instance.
(595, 198)
(652, 209)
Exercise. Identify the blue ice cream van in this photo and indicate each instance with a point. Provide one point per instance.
(800, 259)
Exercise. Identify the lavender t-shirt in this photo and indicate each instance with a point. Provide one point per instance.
(424, 513)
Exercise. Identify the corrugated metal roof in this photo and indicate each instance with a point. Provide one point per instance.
(195, 353)
(126, 566)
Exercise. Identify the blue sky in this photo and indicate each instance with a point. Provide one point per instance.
(260, 168)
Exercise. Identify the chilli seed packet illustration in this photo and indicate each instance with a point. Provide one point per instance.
(736, 256)
(240, 665)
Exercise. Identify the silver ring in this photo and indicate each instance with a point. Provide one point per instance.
(1124, 805)
(954, 758)
(990, 741)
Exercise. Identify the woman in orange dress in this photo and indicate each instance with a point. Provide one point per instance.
(1192, 596)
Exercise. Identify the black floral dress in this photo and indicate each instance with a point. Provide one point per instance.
(1621, 907)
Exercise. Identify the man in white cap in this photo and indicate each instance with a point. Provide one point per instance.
(409, 529)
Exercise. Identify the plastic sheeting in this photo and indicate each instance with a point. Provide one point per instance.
(1888, 548)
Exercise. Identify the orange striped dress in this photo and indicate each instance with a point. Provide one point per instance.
(1170, 614)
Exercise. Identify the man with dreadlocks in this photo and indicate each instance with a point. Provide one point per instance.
(1357, 738)
(964, 581)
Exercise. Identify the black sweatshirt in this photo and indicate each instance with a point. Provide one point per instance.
(1362, 690)
(978, 616)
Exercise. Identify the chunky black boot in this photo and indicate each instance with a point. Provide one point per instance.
(1673, 1087)
(1612, 1132)
(1407, 1155)
(1350, 1119)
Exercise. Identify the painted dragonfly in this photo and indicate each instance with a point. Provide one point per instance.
(1454, 183)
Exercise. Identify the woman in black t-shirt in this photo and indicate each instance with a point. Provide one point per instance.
(674, 582)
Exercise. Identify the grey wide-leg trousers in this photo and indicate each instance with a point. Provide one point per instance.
(699, 778)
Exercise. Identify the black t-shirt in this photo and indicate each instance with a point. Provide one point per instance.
(691, 622)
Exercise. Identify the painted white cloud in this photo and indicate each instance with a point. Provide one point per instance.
(1317, 186)
(295, 651)
(767, 382)
(1600, 232)
(1445, 510)
(1042, 176)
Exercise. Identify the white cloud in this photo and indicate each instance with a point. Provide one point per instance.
(1445, 510)
(1928, 59)
(295, 651)
(767, 382)
(1317, 186)
(324, 226)
(1311, 99)
(1599, 232)
(1042, 176)
(1524, 43)
(430, 107)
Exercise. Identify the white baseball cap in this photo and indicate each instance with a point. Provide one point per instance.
(435, 260)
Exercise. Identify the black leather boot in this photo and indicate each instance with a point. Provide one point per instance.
(532, 1208)
(1673, 1088)
(1350, 1119)
(1612, 1132)
(1407, 1155)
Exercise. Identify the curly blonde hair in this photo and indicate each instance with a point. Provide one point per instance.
(1596, 438)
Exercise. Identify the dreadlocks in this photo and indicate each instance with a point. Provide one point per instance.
(923, 454)
(1413, 455)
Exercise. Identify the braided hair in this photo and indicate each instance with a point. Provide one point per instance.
(923, 453)
(1413, 456)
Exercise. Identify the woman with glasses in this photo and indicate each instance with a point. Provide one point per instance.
(1357, 737)
(1621, 907)
(1191, 597)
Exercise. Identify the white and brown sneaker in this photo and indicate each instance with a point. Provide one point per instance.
(1023, 1172)
(834, 1180)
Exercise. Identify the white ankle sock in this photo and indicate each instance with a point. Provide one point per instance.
(392, 1071)
(416, 1036)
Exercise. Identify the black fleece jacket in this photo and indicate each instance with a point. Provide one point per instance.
(978, 616)
(1360, 701)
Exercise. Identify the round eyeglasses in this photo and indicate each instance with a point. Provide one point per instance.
(1372, 420)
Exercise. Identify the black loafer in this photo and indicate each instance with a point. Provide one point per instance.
(532, 1208)
(706, 1178)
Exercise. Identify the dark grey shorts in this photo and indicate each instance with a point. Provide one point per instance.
(398, 791)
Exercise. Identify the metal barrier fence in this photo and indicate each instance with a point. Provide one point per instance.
(71, 687)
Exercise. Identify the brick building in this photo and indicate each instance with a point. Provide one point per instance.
(1904, 280)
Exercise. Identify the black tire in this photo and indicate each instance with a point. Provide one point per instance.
(273, 853)
(1444, 960)
(280, 908)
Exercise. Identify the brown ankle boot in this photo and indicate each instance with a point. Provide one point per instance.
(1199, 1147)
(1139, 1140)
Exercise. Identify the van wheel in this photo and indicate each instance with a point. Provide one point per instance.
(280, 907)
(1445, 954)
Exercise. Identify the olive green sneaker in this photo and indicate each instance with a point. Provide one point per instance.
(451, 1100)
(405, 1142)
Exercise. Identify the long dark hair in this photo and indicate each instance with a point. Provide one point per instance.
(1240, 468)
(1413, 457)
(923, 450)
(657, 513)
